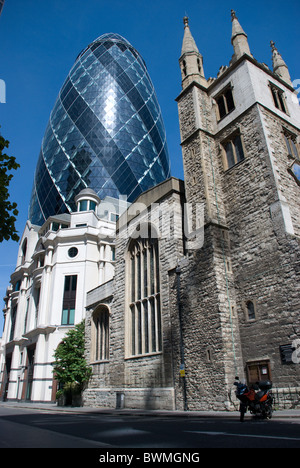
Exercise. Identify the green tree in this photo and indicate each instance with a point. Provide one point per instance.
(8, 210)
(70, 367)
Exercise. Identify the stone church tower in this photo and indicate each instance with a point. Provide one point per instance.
(240, 291)
(189, 309)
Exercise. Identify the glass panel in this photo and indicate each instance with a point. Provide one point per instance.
(281, 101)
(159, 331)
(274, 94)
(229, 154)
(145, 273)
(238, 149)
(114, 217)
(101, 335)
(97, 328)
(295, 149)
(139, 318)
(146, 327)
(251, 311)
(296, 171)
(106, 349)
(133, 279)
(83, 205)
(229, 100)
(65, 315)
(92, 205)
(72, 317)
(132, 330)
(13, 323)
(74, 283)
(139, 277)
(287, 141)
(221, 105)
(157, 289)
(153, 325)
(67, 283)
(152, 286)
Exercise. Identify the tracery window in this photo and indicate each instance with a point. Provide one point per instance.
(100, 342)
(279, 98)
(145, 331)
(251, 310)
(234, 151)
(225, 103)
(291, 144)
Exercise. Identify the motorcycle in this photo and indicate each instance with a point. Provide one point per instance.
(258, 399)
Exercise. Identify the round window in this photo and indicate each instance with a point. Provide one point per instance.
(73, 252)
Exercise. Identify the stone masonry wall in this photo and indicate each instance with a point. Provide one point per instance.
(146, 381)
(210, 323)
(209, 337)
(248, 255)
(198, 148)
(287, 185)
(265, 260)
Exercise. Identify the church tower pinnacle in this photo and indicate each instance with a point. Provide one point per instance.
(239, 38)
(279, 65)
(191, 61)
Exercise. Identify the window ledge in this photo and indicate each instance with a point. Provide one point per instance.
(96, 363)
(224, 116)
(142, 356)
(40, 330)
(235, 165)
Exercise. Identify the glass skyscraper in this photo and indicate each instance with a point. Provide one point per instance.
(1, 5)
(105, 132)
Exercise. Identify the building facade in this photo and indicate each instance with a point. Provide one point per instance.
(105, 139)
(105, 132)
(140, 337)
(57, 264)
(199, 282)
(191, 308)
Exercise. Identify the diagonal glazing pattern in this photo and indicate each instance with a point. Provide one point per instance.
(105, 132)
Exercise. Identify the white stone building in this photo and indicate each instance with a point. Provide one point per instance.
(58, 263)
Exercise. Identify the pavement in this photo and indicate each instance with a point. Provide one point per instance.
(277, 414)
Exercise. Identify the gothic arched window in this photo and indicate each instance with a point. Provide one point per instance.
(145, 331)
(100, 341)
(251, 310)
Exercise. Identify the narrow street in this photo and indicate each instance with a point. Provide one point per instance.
(36, 428)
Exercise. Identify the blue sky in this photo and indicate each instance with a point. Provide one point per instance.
(40, 39)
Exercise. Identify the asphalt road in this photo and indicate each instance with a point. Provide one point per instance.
(34, 428)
